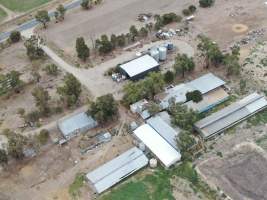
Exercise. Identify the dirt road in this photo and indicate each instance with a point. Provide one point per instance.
(95, 81)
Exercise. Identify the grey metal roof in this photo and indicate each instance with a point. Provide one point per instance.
(227, 117)
(206, 83)
(76, 123)
(164, 129)
(139, 65)
(117, 169)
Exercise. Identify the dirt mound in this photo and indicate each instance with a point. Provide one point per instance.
(239, 28)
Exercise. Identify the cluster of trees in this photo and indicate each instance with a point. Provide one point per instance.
(146, 88)
(10, 82)
(162, 20)
(206, 3)
(105, 45)
(185, 142)
(104, 109)
(87, 4)
(43, 16)
(212, 55)
(17, 143)
(183, 64)
(83, 51)
(190, 10)
(34, 51)
(70, 91)
(194, 96)
(183, 117)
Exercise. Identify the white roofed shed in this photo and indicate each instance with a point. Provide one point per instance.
(157, 145)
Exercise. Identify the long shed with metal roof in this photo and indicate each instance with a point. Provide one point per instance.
(114, 171)
(230, 115)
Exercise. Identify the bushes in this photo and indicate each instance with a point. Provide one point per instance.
(51, 69)
(169, 77)
(15, 36)
(190, 10)
(206, 3)
(186, 12)
(43, 136)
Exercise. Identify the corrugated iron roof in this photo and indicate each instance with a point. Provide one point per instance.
(107, 175)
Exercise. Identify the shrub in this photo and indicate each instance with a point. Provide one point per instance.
(15, 36)
(192, 8)
(206, 3)
(169, 77)
(186, 12)
(51, 69)
(43, 136)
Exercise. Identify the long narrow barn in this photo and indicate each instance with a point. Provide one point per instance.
(117, 169)
(231, 115)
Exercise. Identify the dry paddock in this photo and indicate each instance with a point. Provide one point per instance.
(241, 174)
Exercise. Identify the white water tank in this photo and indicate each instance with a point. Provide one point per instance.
(155, 54)
(162, 53)
(153, 163)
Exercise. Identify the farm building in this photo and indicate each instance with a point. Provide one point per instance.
(210, 86)
(117, 169)
(157, 145)
(138, 68)
(231, 115)
(76, 124)
(164, 130)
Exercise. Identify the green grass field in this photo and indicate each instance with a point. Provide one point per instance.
(22, 5)
(2, 14)
(157, 186)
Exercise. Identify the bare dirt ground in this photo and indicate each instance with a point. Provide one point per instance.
(241, 174)
(15, 58)
(218, 22)
(114, 16)
(49, 175)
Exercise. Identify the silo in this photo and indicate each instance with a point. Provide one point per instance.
(162, 53)
(155, 54)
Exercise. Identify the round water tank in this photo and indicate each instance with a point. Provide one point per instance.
(162, 53)
(153, 163)
(155, 54)
(138, 54)
(142, 146)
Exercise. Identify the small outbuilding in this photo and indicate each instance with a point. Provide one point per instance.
(139, 67)
(76, 124)
(114, 171)
(230, 115)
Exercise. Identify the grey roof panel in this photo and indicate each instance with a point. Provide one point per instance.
(164, 129)
(206, 83)
(227, 117)
(117, 169)
(76, 122)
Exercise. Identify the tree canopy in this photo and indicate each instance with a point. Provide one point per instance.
(42, 17)
(71, 90)
(183, 117)
(83, 52)
(34, 51)
(210, 51)
(104, 109)
(194, 96)
(147, 88)
(206, 3)
(183, 64)
(41, 97)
